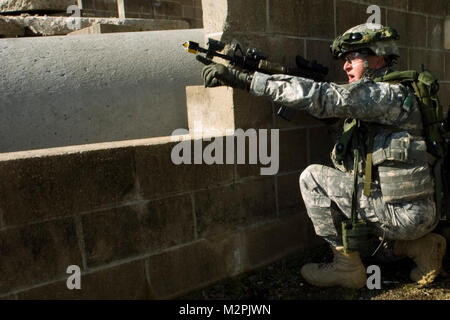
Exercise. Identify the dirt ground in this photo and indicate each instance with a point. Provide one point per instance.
(282, 281)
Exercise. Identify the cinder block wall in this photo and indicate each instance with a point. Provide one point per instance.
(189, 10)
(139, 226)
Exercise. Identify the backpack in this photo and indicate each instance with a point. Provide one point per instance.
(436, 131)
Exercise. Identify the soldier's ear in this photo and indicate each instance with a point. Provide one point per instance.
(376, 62)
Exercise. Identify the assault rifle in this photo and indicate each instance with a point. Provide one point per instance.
(254, 60)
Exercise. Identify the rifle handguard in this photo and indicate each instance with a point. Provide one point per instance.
(271, 68)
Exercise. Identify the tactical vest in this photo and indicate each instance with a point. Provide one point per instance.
(395, 157)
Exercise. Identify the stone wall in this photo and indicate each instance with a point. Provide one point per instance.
(35, 5)
(141, 227)
(188, 10)
(50, 17)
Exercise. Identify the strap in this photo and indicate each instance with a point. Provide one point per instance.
(354, 213)
(368, 170)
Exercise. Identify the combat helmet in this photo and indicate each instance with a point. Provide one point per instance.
(371, 37)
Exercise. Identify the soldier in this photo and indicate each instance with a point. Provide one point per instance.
(400, 207)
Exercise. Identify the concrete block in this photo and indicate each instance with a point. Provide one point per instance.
(215, 14)
(108, 5)
(27, 5)
(37, 253)
(269, 242)
(232, 16)
(210, 108)
(447, 32)
(247, 169)
(349, 14)
(46, 187)
(167, 222)
(54, 25)
(196, 24)
(179, 271)
(432, 60)
(217, 110)
(155, 168)
(129, 231)
(423, 6)
(411, 28)
(435, 33)
(10, 29)
(251, 112)
(403, 61)
(304, 18)
(399, 4)
(223, 210)
(138, 6)
(124, 282)
(239, 19)
(188, 12)
(167, 9)
(107, 28)
(88, 4)
(290, 200)
(293, 150)
(112, 235)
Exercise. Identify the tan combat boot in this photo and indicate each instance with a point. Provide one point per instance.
(346, 270)
(427, 252)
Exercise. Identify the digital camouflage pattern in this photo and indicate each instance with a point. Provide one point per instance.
(379, 105)
(379, 39)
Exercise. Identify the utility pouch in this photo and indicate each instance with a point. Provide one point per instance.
(404, 173)
(356, 236)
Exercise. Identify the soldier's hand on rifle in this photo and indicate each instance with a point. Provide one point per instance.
(217, 74)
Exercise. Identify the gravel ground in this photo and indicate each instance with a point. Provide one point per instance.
(282, 281)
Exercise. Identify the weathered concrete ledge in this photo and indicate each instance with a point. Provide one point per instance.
(28, 5)
(51, 26)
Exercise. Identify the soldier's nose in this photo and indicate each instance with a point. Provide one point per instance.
(347, 66)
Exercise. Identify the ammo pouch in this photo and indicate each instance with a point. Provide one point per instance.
(402, 162)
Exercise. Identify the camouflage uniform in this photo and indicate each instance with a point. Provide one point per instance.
(373, 103)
